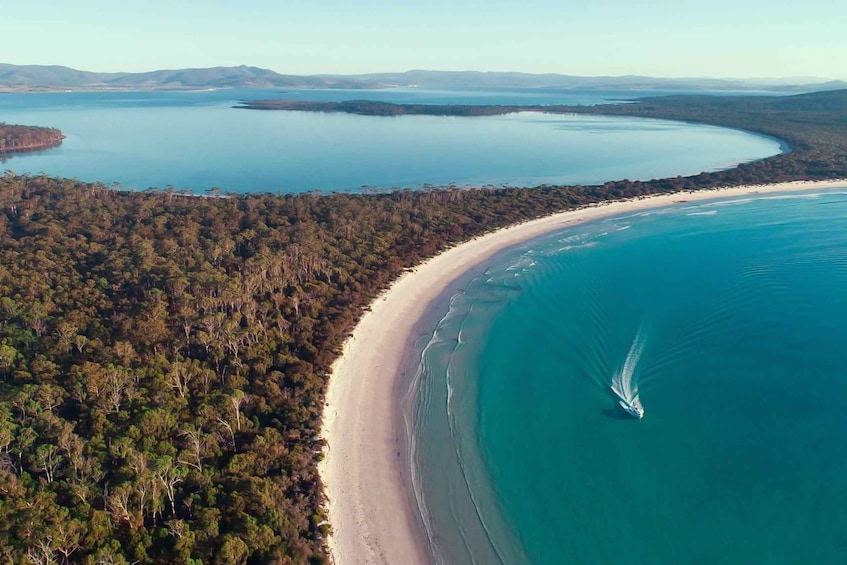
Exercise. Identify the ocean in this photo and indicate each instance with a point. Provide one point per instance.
(196, 141)
(730, 317)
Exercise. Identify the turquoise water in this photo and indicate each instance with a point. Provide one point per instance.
(196, 141)
(734, 315)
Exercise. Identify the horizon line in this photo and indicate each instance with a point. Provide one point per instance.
(414, 70)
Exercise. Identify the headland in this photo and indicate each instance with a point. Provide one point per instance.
(21, 139)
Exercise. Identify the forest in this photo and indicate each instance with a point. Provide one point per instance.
(164, 358)
(376, 108)
(15, 138)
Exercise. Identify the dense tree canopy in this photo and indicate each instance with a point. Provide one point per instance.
(163, 358)
(15, 138)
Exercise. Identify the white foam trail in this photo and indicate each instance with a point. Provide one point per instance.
(622, 381)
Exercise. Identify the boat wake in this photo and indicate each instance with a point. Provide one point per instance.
(622, 382)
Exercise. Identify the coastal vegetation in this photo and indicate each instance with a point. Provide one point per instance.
(15, 138)
(377, 108)
(164, 359)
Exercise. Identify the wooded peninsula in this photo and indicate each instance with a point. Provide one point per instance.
(16, 139)
(164, 359)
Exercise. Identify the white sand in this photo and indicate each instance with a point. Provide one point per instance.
(370, 510)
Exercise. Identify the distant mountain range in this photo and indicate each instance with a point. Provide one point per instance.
(36, 77)
(19, 78)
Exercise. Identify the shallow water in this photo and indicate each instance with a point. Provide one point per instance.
(196, 141)
(739, 308)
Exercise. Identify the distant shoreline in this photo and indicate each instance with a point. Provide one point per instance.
(171, 88)
(77, 89)
(32, 147)
(22, 78)
(367, 464)
(378, 108)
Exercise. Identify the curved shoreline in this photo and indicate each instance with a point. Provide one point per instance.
(32, 147)
(366, 467)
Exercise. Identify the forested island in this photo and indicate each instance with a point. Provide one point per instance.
(15, 138)
(377, 108)
(164, 359)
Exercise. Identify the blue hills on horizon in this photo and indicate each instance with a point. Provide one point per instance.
(40, 77)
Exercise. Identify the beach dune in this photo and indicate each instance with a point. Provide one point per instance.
(373, 515)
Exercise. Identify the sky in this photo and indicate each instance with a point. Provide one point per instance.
(697, 38)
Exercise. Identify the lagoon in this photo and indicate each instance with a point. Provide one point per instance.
(195, 141)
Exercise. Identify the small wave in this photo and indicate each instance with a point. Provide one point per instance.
(522, 264)
(411, 424)
(448, 379)
(731, 202)
(575, 238)
(656, 212)
(791, 196)
(707, 213)
(583, 246)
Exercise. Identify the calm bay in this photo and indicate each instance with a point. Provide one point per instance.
(195, 141)
(730, 317)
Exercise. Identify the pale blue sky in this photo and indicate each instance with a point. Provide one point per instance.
(718, 38)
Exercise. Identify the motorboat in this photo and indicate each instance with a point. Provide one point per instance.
(633, 407)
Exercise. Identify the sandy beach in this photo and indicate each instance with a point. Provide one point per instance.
(365, 470)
